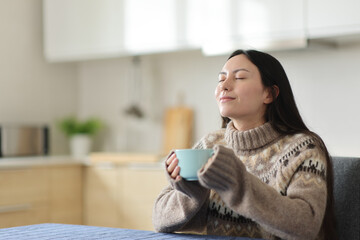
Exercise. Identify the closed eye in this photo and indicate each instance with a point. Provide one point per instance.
(222, 78)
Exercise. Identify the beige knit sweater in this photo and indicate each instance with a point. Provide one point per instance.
(259, 184)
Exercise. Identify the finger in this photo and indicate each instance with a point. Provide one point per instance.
(176, 172)
(172, 165)
(178, 177)
(209, 161)
(170, 159)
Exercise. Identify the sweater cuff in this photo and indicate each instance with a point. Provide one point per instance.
(223, 171)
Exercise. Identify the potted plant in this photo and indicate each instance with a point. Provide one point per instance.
(80, 134)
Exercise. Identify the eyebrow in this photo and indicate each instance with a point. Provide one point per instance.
(235, 71)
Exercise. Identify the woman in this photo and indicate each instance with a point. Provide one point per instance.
(270, 177)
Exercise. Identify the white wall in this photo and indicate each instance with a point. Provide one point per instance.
(31, 90)
(107, 89)
(325, 83)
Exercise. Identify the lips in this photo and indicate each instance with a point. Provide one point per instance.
(226, 99)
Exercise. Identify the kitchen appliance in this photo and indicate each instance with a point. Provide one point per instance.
(23, 140)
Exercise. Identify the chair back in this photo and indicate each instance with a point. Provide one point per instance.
(347, 197)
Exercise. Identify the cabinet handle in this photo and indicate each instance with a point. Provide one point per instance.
(15, 208)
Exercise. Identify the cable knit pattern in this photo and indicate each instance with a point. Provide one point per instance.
(258, 184)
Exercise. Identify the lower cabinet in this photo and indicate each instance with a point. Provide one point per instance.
(40, 195)
(121, 196)
(23, 197)
(66, 194)
(138, 190)
(100, 195)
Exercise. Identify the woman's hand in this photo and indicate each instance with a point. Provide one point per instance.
(172, 166)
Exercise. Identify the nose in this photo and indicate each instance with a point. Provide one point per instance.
(226, 84)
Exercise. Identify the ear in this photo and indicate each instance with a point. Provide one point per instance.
(271, 94)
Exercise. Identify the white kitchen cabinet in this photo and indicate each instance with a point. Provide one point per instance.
(332, 18)
(150, 26)
(163, 25)
(272, 24)
(88, 29)
(82, 29)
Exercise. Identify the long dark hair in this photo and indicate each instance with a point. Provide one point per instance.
(285, 118)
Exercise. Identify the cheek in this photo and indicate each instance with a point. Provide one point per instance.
(250, 90)
(244, 93)
(217, 92)
(249, 95)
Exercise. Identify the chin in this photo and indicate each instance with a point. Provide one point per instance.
(226, 115)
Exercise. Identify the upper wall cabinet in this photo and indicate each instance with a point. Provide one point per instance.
(82, 29)
(272, 24)
(333, 18)
(86, 29)
(161, 25)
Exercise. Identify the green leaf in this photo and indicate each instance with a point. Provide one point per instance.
(71, 126)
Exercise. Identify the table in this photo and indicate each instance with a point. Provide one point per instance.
(54, 231)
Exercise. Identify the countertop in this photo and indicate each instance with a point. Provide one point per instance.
(140, 161)
(102, 159)
(21, 162)
(125, 157)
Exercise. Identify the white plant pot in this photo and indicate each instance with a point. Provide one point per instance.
(80, 145)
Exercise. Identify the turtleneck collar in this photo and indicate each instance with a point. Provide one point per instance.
(250, 139)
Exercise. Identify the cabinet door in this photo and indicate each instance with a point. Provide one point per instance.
(23, 197)
(150, 26)
(88, 29)
(82, 29)
(66, 194)
(138, 190)
(101, 196)
(272, 24)
(327, 18)
(23, 214)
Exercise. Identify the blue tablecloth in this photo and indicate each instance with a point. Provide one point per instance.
(65, 231)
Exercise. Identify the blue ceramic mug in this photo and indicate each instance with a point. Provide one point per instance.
(191, 160)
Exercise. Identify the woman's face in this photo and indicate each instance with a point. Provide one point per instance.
(240, 94)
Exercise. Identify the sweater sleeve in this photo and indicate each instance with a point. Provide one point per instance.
(298, 215)
(181, 207)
